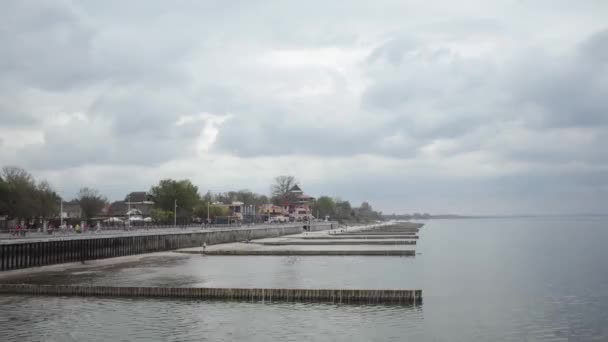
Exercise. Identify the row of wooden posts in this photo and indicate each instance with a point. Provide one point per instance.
(374, 296)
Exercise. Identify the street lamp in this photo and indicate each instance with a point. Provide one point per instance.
(175, 214)
(129, 210)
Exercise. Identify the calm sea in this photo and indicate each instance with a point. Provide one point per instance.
(532, 279)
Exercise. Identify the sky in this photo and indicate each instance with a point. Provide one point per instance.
(469, 107)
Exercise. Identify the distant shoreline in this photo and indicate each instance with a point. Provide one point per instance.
(450, 216)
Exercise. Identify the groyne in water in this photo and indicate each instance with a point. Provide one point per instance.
(249, 294)
(390, 252)
(360, 237)
(336, 242)
(25, 253)
(375, 233)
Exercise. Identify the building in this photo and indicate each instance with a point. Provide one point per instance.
(141, 201)
(299, 204)
(72, 209)
(117, 208)
(272, 210)
(236, 209)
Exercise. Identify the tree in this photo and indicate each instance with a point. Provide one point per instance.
(4, 197)
(344, 211)
(20, 193)
(22, 198)
(214, 211)
(91, 202)
(280, 189)
(48, 201)
(169, 190)
(218, 211)
(208, 197)
(324, 206)
(245, 196)
(161, 216)
(365, 213)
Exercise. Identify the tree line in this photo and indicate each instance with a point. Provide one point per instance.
(23, 198)
(342, 211)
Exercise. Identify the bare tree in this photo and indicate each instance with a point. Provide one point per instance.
(91, 202)
(281, 187)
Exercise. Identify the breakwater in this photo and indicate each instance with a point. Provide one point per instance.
(324, 252)
(359, 237)
(336, 242)
(249, 294)
(24, 253)
(368, 233)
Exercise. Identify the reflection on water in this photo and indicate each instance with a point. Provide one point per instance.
(90, 319)
(511, 280)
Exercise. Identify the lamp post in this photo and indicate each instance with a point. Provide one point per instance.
(129, 210)
(175, 214)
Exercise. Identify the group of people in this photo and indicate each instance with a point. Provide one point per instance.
(69, 228)
(20, 230)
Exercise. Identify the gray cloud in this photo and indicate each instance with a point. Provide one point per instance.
(505, 96)
(569, 91)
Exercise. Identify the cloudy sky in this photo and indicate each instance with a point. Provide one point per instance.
(471, 106)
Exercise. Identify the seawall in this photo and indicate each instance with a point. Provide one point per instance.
(24, 253)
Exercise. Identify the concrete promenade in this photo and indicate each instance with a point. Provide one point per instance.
(333, 242)
(6, 238)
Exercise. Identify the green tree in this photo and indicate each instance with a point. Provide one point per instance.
(4, 197)
(344, 211)
(91, 202)
(168, 191)
(218, 211)
(365, 213)
(48, 201)
(324, 206)
(20, 190)
(162, 216)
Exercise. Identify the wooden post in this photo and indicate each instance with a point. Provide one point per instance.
(2, 257)
(20, 255)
